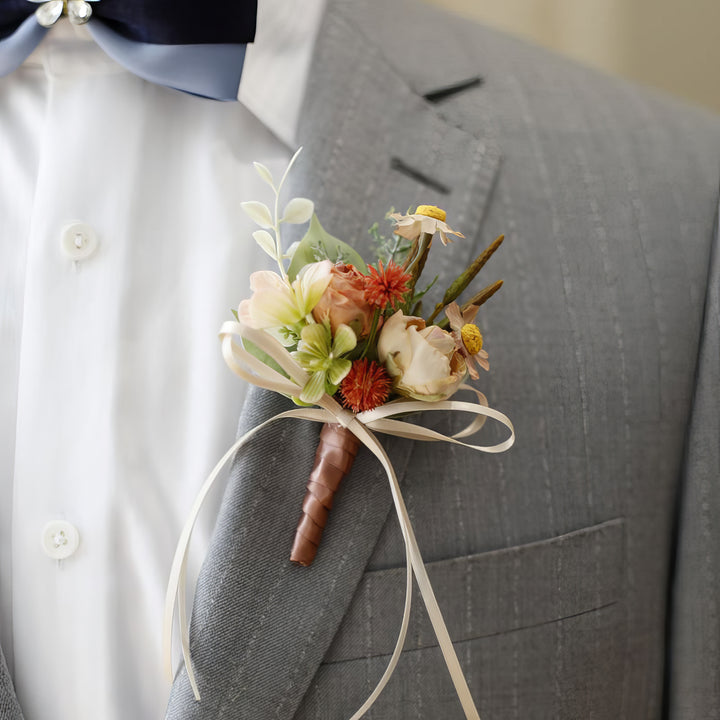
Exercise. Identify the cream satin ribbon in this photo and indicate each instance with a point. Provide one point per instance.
(248, 367)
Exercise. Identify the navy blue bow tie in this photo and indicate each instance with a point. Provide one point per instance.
(196, 47)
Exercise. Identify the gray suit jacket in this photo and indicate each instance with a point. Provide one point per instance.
(578, 573)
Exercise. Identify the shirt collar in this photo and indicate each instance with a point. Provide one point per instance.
(276, 65)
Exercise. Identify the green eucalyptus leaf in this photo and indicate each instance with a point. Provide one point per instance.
(297, 211)
(264, 173)
(258, 212)
(319, 245)
(266, 241)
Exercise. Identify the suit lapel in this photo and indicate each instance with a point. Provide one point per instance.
(371, 140)
(9, 707)
(261, 626)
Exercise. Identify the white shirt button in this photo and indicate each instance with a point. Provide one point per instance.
(78, 241)
(60, 539)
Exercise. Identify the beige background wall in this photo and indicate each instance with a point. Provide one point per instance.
(671, 44)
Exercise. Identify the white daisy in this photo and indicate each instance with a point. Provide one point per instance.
(426, 219)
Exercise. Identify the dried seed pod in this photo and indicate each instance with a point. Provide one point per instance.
(483, 296)
(334, 457)
(466, 277)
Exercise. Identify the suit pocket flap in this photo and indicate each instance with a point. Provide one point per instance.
(489, 593)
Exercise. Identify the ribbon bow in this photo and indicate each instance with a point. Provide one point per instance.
(363, 426)
(185, 45)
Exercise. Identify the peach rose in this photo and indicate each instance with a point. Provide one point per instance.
(343, 302)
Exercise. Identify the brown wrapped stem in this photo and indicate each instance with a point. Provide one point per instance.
(334, 457)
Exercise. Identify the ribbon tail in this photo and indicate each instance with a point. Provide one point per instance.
(175, 594)
(441, 632)
(390, 669)
(418, 567)
(184, 634)
(176, 583)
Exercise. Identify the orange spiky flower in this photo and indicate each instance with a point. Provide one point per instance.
(366, 386)
(386, 285)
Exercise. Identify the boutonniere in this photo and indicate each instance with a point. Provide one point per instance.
(347, 338)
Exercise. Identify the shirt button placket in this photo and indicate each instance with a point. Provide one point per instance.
(64, 470)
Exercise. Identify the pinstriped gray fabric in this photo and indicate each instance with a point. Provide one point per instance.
(9, 708)
(607, 196)
(695, 658)
(503, 586)
(491, 581)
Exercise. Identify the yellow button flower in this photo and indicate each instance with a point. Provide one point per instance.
(468, 338)
(432, 211)
(472, 338)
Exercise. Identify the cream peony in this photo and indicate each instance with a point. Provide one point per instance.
(423, 361)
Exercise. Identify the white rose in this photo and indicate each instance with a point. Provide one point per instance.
(423, 361)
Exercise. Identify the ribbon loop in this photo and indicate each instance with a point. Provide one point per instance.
(363, 425)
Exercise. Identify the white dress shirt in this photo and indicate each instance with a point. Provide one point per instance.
(123, 248)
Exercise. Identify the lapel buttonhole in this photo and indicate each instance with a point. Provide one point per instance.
(401, 166)
(446, 91)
